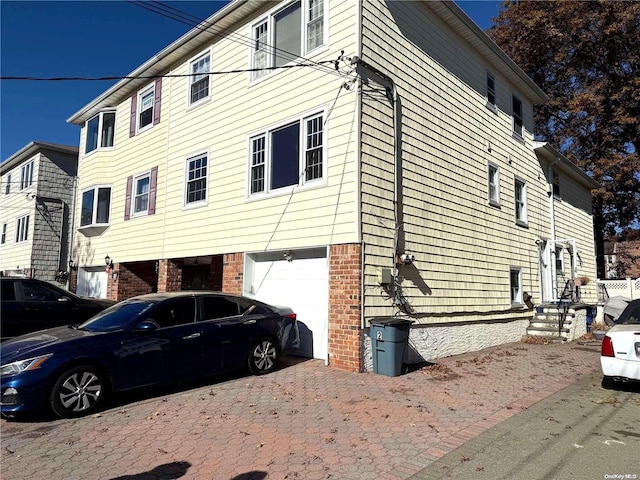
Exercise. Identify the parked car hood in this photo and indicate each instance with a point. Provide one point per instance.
(34, 343)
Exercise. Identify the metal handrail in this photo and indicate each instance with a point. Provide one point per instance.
(563, 303)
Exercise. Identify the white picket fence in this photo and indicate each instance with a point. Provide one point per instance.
(629, 287)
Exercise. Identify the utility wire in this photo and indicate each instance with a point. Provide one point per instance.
(224, 72)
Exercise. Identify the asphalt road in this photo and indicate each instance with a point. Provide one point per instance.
(582, 432)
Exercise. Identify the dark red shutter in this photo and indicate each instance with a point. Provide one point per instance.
(152, 190)
(127, 201)
(156, 101)
(132, 121)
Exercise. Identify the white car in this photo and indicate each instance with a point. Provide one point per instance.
(620, 353)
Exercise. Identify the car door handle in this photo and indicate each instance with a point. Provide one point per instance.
(193, 335)
(249, 322)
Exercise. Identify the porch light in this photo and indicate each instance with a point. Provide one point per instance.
(108, 261)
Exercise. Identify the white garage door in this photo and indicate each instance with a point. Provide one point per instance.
(301, 284)
(92, 282)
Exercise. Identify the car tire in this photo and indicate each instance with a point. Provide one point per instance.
(608, 383)
(78, 391)
(263, 356)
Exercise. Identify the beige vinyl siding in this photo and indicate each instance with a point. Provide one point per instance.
(221, 127)
(574, 221)
(463, 246)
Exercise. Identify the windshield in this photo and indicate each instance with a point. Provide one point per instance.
(118, 317)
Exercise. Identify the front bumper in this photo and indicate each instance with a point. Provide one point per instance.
(24, 392)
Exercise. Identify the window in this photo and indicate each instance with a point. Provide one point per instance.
(494, 185)
(22, 229)
(277, 159)
(556, 182)
(7, 188)
(100, 131)
(288, 34)
(315, 24)
(3, 240)
(517, 117)
(145, 108)
(196, 187)
(559, 259)
(95, 207)
(171, 313)
(491, 91)
(35, 292)
(515, 281)
(521, 202)
(199, 79)
(141, 194)
(219, 307)
(26, 175)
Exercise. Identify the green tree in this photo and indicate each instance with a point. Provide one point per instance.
(586, 57)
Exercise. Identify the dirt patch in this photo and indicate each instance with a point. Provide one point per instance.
(439, 372)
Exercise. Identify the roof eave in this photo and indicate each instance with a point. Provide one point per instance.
(32, 148)
(551, 154)
(156, 65)
(459, 21)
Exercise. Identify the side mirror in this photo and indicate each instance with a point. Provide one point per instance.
(147, 326)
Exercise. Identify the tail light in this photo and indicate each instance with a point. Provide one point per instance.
(607, 347)
(292, 316)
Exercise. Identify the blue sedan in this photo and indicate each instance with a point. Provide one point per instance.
(143, 341)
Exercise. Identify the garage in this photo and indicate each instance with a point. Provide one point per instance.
(298, 279)
(92, 282)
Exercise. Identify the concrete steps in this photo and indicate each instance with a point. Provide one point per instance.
(545, 322)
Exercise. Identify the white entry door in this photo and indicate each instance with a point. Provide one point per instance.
(92, 282)
(301, 284)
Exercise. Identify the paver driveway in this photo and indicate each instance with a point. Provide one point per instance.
(303, 421)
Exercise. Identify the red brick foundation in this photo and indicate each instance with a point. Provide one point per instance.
(131, 279)
(345, 332)
(169, 275)
(232, 273)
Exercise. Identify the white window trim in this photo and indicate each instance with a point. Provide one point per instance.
(516, 302)
(100, 121)
(302, 184)
(149, 89)
(269, 18)
(192, 60)
(522, 222)
(491, 106)
(200, 203)
(519, 136)
(559, 259)
(28, 167)
(19, 230)
(94, 215)
(134, 185)
(496, 202)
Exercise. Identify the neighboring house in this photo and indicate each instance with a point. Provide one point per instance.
(394, 174)
(36, 210)
(622, 258)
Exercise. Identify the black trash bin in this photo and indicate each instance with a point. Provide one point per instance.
(389, 343)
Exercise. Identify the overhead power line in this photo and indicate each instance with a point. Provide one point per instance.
(224, 72)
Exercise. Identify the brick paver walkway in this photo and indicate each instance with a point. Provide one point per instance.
(305, 421)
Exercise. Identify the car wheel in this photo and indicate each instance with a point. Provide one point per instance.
(608, 383)
(263, 356)
(77, 391)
